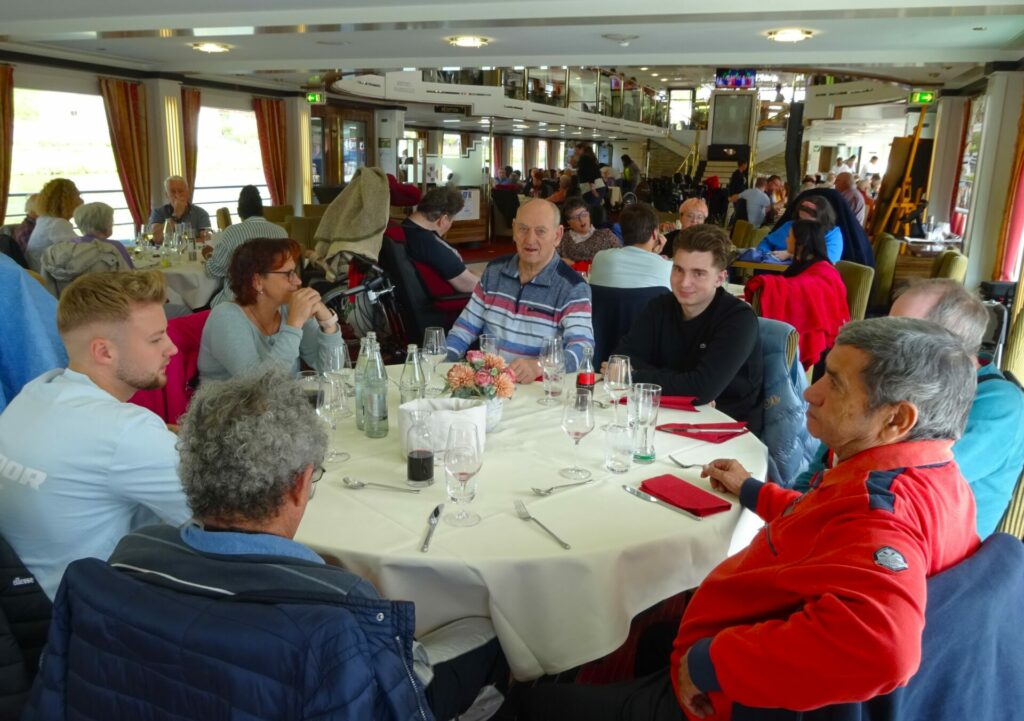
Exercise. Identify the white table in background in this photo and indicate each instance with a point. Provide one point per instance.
(552, 609)
(187, 282)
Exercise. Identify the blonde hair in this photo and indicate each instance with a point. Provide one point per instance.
(107, 297)
(58, 198)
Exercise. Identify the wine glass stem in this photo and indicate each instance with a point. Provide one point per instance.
(576, 454)
(615, 409)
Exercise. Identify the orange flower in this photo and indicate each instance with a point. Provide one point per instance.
(494, 361)
(504, 386)
(460, 376)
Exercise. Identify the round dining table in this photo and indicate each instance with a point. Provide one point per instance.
(188, 284)
(552, 609)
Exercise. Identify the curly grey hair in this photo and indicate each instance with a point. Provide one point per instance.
(920, 362)
(243, 441)
(94, 219)
(956, 309)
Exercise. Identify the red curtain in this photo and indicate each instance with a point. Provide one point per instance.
(497, 155)
(190, 130)
(273, 146)
(6, 134)
(128, 122)
(1012, 230)
(553, 161)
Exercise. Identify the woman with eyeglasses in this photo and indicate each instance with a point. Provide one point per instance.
(273, 319)
(583, 241)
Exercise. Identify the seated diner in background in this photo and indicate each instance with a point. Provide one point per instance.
(700, 340)
(990, 453)
(827, 604)
(252, 225)
(692, 211)
(424, 239)
(638, 264)
(56, 205)
(528, 297)
(812, 207)
(95, 221)
(179, 209)
(272, 319)
(583, 241)
(809, 294)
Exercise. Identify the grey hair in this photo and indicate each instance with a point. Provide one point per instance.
(94, 218)
(956, 309)
(169, 178)
(242, 443)
(919, 362)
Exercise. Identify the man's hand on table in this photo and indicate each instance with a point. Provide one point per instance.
(690, 697)
(726, 475)
(527, 370)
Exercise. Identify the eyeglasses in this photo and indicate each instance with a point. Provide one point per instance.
(290, 274)
(580, 215)
(317, 475)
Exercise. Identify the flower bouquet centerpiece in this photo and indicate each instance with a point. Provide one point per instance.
(485, 376)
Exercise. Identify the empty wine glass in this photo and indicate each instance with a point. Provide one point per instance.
(324, 396)
(618, 378)
(462, 461)
(338, 367)
(577, 421)
(552, 365)
(435, 350)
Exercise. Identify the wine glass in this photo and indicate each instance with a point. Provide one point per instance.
(338, 367)
(552, 365)
(577, 421)
(435, 350)
(489, 343)
(618, 379)
(323, 395)
(462, 461)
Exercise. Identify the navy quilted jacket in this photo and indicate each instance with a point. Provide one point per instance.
(121, 648)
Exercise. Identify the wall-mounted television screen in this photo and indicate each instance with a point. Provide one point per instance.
(735, 77)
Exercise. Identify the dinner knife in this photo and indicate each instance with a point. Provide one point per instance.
(432, 520)
(657, 501)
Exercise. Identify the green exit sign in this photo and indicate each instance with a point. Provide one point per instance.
(316, 98)
(922, 97)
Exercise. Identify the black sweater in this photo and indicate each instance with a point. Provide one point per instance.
(715, 356)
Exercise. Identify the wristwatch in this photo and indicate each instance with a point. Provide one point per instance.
(333, 320)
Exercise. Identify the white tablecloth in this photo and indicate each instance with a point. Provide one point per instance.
(187, 282)
(552, 609)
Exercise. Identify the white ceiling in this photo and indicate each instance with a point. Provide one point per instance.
(913, 41)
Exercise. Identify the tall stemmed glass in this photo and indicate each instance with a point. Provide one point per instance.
(577, 421)
(338, 367)
(462, 461)
(324, 396)
(618, 379)
(435, 350)
(552, 365)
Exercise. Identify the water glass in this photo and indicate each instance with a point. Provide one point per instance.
(462, 461)
(618, 448)
(642, 415)
(618, 377)
(338, 367)
(324, 395)
(435, 350)
(489, 343)
(552, 364)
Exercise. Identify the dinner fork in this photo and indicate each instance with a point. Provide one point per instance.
(551, 489)
(525, 515)
(686, 465)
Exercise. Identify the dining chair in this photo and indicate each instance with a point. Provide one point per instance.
(857, 278)
(278, 213)
(223, 218)
(950, 264)
(887, 250)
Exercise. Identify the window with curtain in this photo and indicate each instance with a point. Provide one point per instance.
(229, 134)
(64, 135)
(542, 154)
(517, 155)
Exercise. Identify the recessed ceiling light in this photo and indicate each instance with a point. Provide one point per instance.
(643, 68)
(408, 70)
(450, 120)
(654, 75)
(789, 35)
(206, 47)
(468, 41)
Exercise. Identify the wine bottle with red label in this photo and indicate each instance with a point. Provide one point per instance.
(585, 376)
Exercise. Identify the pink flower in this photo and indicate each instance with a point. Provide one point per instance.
(504, 386)
(483, 378)
(474, 356)
(510, 374)
(460, 376)
(494, 361)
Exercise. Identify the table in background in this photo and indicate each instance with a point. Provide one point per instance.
(552, 609)
(187, 282)
(751, 265)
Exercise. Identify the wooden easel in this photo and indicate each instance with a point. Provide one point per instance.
(904, 200)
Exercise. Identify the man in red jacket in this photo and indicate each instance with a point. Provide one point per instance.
(827, 603)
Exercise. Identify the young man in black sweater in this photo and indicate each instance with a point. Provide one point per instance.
(700, 341)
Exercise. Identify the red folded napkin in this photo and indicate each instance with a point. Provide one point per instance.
(683, 494)
(676, 403)
(710, 432)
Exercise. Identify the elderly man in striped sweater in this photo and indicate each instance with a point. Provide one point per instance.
(528, 297)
